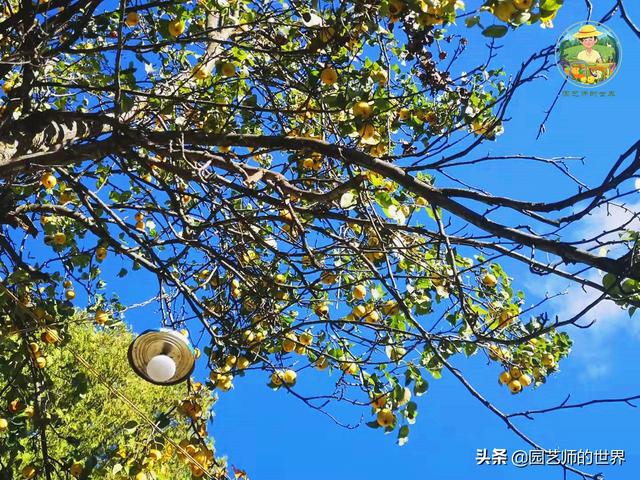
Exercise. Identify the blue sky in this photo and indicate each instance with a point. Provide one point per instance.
(272, 435)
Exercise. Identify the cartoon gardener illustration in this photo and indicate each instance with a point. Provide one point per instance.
(588, 37)
(588, 54)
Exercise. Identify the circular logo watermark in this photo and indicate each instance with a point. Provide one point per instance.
(588, 54)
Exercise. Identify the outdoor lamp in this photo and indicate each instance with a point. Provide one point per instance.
(162, 357)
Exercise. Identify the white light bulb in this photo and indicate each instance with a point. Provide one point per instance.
(161, 368)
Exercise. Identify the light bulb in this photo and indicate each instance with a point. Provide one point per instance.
(161, 368)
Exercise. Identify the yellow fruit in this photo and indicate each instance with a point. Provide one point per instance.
(225, 382)
(139, 217)
(359, 292)
(101, 317)
(50, 336)
(41, 362)
(67, 284)
(140, 226)
(385, 418)
(361, 110)
(404, 114)
(228, 69)
(248, 336)
(48, 180)
(515, 386)
(59, 238)
(349, 368)
(504, 10)
(328, 76)
(523, 4)
(15, 406)
(176, 28)
(395, 7)
(4, 425)
(379, 400)
(306, 339)
(525, 380)
(101, 253)
(548, 360)
(321, 309)
(132, 19)
(505, 378)
(380, 76)
(308, 163)
(367, 131)
(359, 311)
(34, 347)
(230, 360)
(29, 472)
(276, 378)
(490, 280)
(242, 363)
(29, 412)
(76, 469)
(322, 363)
(288, 344)
(70, 294)
(200, 72)
(515, 373)
(155, 454)
(390, 307)
(372, 317)
(289, 377)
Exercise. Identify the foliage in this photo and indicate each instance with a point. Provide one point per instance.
(91, 433)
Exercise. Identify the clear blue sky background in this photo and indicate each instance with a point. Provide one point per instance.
(272, 435)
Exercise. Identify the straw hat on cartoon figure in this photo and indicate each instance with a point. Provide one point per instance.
(588, 37)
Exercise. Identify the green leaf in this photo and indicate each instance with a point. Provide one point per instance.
(495, 31)
(403, 435)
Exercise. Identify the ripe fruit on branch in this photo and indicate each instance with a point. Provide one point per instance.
(322, 363)
(289, 377)
(101, 317)
(29, 472)
(200, 72)
(490, 280)
(59, 238)
(132, 19)
(385, 418)
(359, 292)
(101, 253)
(176, 28)
(50, 336)
(515, 386)
(361, 110)
(48, 180)
(380, 76)
(328, 76)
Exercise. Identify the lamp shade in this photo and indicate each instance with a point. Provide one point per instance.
(162, 357)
